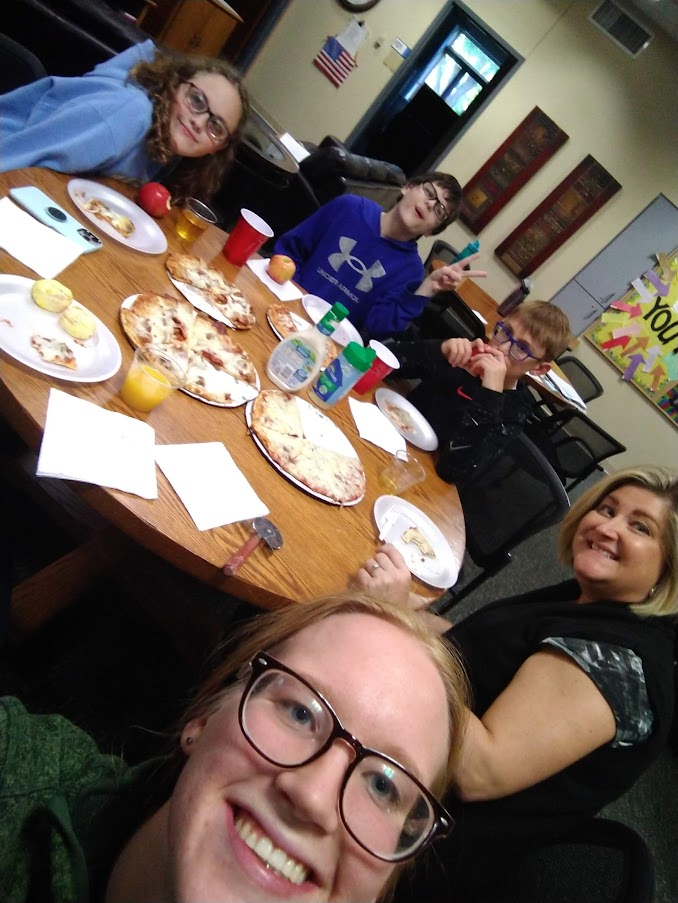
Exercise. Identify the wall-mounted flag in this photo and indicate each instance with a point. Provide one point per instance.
(334, 61)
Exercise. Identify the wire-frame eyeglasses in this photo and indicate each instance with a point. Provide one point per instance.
(518, 351)
(384, 808)
(216, 127)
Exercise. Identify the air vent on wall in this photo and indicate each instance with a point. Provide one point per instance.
(621, 28)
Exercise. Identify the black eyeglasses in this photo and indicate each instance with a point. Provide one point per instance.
(383, 807)
(518, 351)
(431, 194)
(216, 127)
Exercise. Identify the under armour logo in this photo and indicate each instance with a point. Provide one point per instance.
(365, 283)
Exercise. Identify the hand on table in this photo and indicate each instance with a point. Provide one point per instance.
(385, 575)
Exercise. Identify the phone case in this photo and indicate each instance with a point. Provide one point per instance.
(47, 211)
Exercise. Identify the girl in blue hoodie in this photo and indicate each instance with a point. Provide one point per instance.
(141, 115)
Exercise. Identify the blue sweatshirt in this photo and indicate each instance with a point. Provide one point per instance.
(95, 123)
(341, 256)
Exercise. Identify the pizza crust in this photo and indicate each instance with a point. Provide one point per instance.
(229, 300)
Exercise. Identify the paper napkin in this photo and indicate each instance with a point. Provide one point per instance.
(207, 481)
(566, 389)
(84, 442)
(286, 292)
(38, 247)
(297, 150)
(375, 427)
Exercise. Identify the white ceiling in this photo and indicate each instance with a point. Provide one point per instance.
(663, 13)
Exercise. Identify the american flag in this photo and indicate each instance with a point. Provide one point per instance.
(334, 61)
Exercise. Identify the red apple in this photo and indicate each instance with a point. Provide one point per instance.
(281, 268)
(154, 198)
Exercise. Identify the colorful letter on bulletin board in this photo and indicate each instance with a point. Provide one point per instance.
(639, 334)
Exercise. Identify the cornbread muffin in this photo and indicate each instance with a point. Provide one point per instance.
(78, 322)
(51, 295)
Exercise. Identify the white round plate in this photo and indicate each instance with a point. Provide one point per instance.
(345, 332)
(98, 358)
(441, 571)
(327, 433)
(242, 392)
(410, 423)
(147, 236)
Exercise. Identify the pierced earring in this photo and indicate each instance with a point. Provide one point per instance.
(189, 740)
(652, 592)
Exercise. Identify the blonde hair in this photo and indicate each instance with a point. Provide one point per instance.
(662, 483)
(160, 78)
(547, 324)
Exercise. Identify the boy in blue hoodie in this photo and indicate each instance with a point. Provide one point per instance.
(350, 250)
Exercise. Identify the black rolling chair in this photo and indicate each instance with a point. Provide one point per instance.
(18, 66)
(442, 251)
(505, 502)
(575, 447)
(603, 861)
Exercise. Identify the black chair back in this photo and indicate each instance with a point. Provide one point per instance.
(584, 382)
(507, 501)
(18, 66)
(440, 250)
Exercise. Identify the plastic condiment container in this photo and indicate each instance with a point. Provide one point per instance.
(297, 360)
(341, 374)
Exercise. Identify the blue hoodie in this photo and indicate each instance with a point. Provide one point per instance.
(95, 123)
(341, 255)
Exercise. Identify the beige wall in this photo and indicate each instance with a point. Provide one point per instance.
(621, 110)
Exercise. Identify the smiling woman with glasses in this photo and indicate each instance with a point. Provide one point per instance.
(139, 116)
(309, 771)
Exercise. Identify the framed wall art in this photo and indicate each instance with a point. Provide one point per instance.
(524, 152)
(581, 194)
(639, 334)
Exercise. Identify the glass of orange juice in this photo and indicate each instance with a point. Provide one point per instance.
(153, 375)
(194, 218)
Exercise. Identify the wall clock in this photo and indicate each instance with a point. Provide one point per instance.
(357, 7)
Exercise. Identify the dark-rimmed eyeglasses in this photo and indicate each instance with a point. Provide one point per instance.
(431, 194)
(197, 102)
(518, 351)
(383, 807)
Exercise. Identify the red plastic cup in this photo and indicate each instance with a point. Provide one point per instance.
(384, 363)
(248, 235)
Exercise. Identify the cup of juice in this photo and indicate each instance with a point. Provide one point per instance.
(153, 375)
(194, 218)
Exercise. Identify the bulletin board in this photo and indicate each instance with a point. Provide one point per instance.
(639, 334)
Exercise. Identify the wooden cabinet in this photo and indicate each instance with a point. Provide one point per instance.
(193, 26)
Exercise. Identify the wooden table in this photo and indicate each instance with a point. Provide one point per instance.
(323, 544)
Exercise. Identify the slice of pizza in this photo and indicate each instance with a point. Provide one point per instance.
(416, 536)
(330, 473)
(54, 351)
(122, 224)
(284, 324)
(210, 340)
(226, 297)
(278, 411)
(158, 320)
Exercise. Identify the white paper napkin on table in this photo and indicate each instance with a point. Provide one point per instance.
(84, 442)
(375, 426)
(38, 247)
(207, 481)
(286, 292)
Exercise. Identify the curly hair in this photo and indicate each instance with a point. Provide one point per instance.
(160, 78)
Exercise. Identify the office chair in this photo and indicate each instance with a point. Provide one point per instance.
(575, 447)
(505, 502)
(602, 861)
(442, 251)
(583, 381)
(18, 66)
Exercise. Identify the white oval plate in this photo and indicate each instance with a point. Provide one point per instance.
(98, 358)
(345, 332)
(324, 430)
(147, 237)
(441, 571)
(411, 424)
(242, 392)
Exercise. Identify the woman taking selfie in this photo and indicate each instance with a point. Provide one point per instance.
(144, 114)
(308, 771)
(572, 684)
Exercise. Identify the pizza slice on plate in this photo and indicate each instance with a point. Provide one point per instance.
(122, 224)
(54, 351)
(226, 297)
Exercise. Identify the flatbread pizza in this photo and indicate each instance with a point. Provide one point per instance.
(283, 322)
(229, 300)
(218, 369)
(276, 423)
(121, 224)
